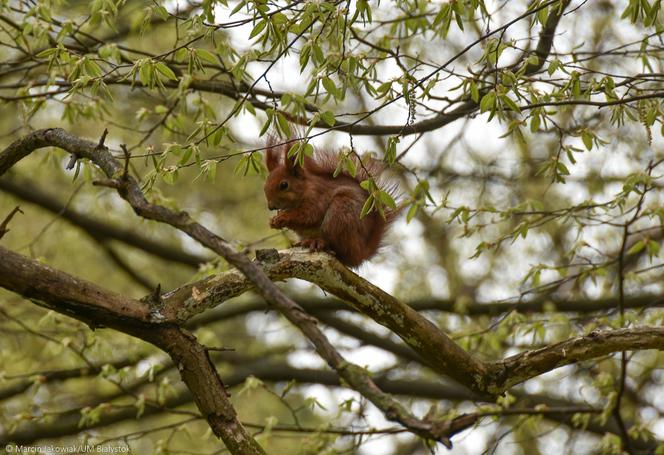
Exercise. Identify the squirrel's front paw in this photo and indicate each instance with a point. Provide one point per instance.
(276, 222)
(313, 244)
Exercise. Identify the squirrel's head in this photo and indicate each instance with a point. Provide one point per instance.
(285, 184)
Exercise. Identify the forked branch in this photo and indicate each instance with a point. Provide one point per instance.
(129, 189)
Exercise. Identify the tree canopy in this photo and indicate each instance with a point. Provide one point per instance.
(515, 306)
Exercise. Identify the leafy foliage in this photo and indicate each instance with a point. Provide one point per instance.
(530, 164)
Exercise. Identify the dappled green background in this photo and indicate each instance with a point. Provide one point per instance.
(523, 205)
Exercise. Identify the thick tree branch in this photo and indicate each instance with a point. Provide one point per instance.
(200, 375)
(426, 339)
(129, 189)
(86, 301)
(436, 348)
(526, 365)
(97, 306)
(438, 351)
(66, 294)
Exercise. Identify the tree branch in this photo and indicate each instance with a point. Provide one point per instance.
(180, 305)
(322, 305)
(436, 348)
(97, 306)
(467, 107)
(526, 365)
(272, 372)
(129, 189)
(3, 225)
(422, 336)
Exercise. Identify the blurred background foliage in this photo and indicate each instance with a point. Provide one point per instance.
(538, 184)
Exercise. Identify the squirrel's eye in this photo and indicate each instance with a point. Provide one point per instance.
(283, 185)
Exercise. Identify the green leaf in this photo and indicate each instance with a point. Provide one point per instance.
(207, 56)
(534, 123)
(412, 211)
(386, 199)
(542, 15)
(328, 117)
(188, 151)
(587, 139)
(391, 152)
(161, 12)
(488, 102)
(146, 74)
(474, 92)
(637, 247)
(268, 122)
(258, 28)
(330, 87)
(653, 248)
(318, 54)
(305, 53)
(510, 103)
(239, 6)
(562, 169)
(166, 71)
(294, 150)
(367, 207)
(210, 167)
(249, 107)
(257, 164)
(91, 68)
(350, 166)
(283, 124)
(170, 175)
(47, 52)
(242, 166)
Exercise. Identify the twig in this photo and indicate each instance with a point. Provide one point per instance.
(8, 218)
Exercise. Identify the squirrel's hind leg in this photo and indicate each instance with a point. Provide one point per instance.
(343, 229)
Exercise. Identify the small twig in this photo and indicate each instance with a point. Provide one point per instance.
(5, 223)
(102, 139)
(109, 183)
(127, 156)
(156, 294)
(154, 298)
(74, 157)
(72, 161)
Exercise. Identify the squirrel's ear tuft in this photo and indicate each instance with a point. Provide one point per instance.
(272, 158)
(272, 152)
(293, 168)
(291, 163)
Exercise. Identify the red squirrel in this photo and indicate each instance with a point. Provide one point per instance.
(322, 209)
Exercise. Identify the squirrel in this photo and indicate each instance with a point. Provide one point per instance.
(322, 209)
